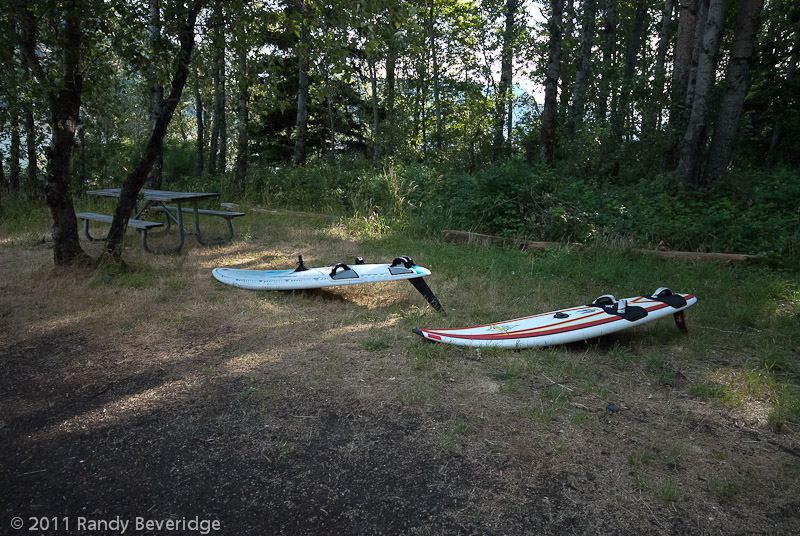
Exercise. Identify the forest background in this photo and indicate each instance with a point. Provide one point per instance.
(656, 122)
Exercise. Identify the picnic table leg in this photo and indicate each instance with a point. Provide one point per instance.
(200, 236)
(88, 235)
(178, 218)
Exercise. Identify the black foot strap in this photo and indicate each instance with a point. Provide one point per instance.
(631, 313)
(423, 288)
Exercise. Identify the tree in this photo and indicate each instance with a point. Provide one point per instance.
(242, 110)
(156, 89)
(200, 141)
(218, 146)
(737, 79)
(504, 89)
(633, 47)
(548, 126)
(609, 50)
(777, 124)
(695, 137)
(64, 98)
(303, 52)
(681, 66)
(584, 64)
(437, 103)
(14, 152)
(136, 178)
(652, 116)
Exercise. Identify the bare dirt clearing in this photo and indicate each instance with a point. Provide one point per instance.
(158, 392)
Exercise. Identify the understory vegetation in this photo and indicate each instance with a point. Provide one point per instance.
(752, 211)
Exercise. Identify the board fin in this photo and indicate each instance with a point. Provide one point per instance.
(423, 288)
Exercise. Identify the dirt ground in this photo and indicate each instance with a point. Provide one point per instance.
(159, 393)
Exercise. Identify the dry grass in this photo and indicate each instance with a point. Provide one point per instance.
(318, 398)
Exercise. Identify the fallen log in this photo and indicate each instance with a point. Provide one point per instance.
(484, 239)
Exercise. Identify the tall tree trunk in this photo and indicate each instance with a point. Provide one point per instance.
(156, 89)
(609, 52)
(329, 108)
(695, 137)
(242, 139)
(65, 104)
(632, 49)
(437, 105)
(568, 43)
(80, 183)
(303, 51)
(136, 178)
(391, 67)
(651, 120)
(548, 132)
(584, 64)
(777, 124)
(14, 151)
(689, 30)
(702, 17)
(506, 80)
(737, 79)
(376, 136)
(32, 153)
(218, 149)
(199, 112)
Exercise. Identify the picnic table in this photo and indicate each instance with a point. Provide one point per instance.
(171, 204)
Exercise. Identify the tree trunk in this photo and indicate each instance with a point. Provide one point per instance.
(548, 127)
(376, 137)
(391, 67)
(156, 89)
(81, 181)
(777, 125)
(737, 79)
(609, 51)
(506, 80)
(633, 48)
(437, 105)
(702, 17)
(65, 104)
(136, 178)
(218, 150)
(14, 152)
(687, 27)
(695, 137)
(688, 30)
(303, 50)
(567, 37)
(651, 120)
(199, 113)
(584, 64)
(242, 139)
(30, 147)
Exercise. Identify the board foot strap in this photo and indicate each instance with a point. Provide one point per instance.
(423, 288)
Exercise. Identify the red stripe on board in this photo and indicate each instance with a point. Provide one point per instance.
(526, 335)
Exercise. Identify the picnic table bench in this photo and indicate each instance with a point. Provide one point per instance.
(141, 226)
(157, 201)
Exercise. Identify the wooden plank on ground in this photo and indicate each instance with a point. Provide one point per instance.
(479, 238)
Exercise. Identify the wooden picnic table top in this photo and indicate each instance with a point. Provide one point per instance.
(164, 196)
